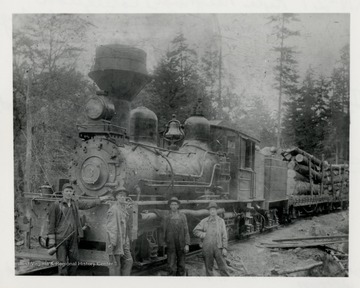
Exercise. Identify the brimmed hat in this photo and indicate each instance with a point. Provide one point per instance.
(67, 185)
(212, 205)
(116, 191)
(174, 199)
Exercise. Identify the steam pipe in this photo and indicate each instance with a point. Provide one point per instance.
(184, 185)
(159, 148)
(198, 147)
(201, 172)
(172, 170)
(177, 174)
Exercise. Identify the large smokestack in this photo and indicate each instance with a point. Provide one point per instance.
(121, 71)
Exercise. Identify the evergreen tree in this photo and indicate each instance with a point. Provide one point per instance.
(307, 116)
(340, 107)
(257, 121)
(176, 84)
(229, 105)
(305, 130)
(209, 71)
(286, 65)
(323, 116)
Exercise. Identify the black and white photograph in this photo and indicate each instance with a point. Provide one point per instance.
(181, 144)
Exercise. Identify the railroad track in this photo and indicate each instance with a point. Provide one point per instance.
(154, 267)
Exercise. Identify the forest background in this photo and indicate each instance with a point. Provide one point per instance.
(238, 64)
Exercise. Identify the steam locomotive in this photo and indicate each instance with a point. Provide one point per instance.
(197, 162)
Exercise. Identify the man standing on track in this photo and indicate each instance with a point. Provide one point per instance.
(119, 227)
(64, 220)
(177, 238)
(212, 232)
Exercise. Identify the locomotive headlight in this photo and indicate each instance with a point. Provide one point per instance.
(100, 107)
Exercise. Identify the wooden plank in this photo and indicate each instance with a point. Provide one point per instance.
(312, 238)
(301, 245)
(298, 269)
(336, 250)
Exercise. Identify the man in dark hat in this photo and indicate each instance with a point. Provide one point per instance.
(177, 238)
(119, 227)
(64, 220)
(212, 232)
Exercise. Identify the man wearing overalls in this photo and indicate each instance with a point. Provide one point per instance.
(177, 238)
(212, 232)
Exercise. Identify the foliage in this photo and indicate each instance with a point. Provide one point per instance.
(301, 123)
(286, 74)
(180, 79)
(45, 52)
(259, 122)
(49, 41)
(340, 106)
(176, 84)
(317, 117)
(209, 71)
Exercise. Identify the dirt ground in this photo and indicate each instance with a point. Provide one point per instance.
(250, 258)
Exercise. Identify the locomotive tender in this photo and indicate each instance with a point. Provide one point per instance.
(120, 148)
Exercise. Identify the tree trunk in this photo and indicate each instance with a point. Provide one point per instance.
(338, 179)
(278, 138)
(295, 151)
(304, 188)
(341, 166)
(29, 136)
(304, 171)
(301, 159)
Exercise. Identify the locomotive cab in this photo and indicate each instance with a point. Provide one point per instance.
(240, 150)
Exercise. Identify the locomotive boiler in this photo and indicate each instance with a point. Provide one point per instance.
(197, 161)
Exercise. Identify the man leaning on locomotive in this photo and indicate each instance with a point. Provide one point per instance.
(65, 229)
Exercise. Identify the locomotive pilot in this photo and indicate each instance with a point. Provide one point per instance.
(212, 232)
(65, 226)
(119, 227)
(177, 238)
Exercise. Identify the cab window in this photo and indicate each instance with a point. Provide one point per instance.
(247, 152)
(249, 159)
(231, 145)
(242, 153)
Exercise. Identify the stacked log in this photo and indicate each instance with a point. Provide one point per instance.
(297, 184)
(337, 181)
(308, 175)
